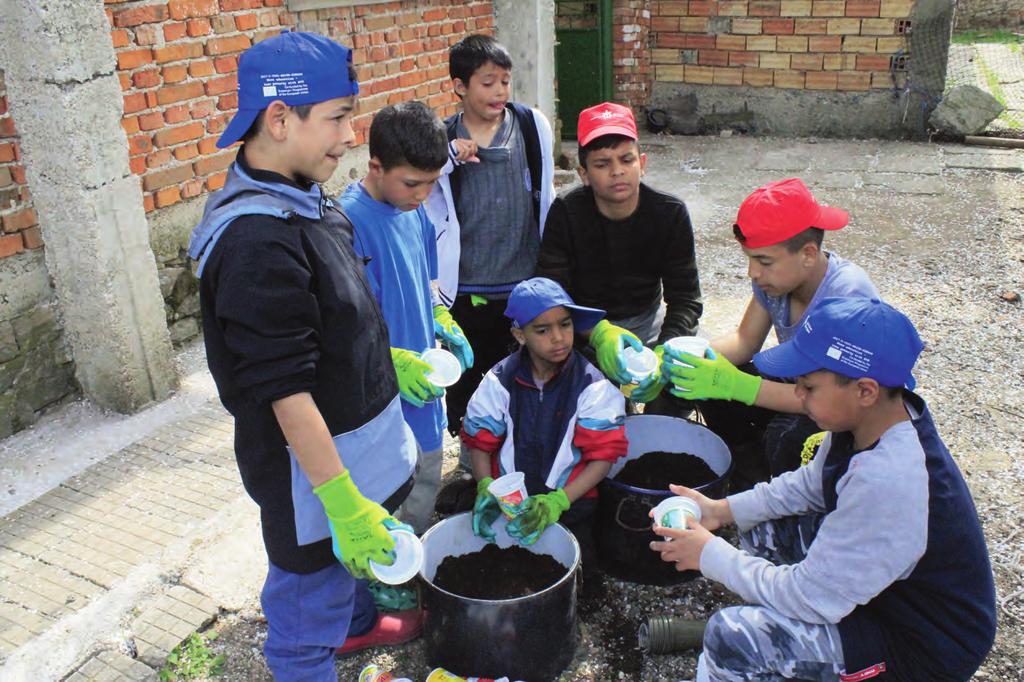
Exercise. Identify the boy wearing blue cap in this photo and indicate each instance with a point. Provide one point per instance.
(548, 413)
(870, 561)
(299, 351)
(408, 148)
(489, 205)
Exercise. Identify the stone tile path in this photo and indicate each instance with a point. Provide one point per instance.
(80, 542)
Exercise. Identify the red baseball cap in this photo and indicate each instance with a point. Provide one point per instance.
(783, 209)
(606, 118)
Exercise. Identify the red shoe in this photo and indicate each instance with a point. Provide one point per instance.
(390, 629)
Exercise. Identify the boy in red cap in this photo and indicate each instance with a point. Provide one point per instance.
(780, 227)
(619, 245)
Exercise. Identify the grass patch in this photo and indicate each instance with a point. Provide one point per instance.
(1002, 36)
(193, 659)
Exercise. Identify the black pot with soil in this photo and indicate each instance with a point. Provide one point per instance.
(502, 609)
(662, 450)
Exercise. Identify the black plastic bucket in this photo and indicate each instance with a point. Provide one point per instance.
(623, 529)
(531, 638)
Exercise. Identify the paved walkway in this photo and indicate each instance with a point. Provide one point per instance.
(100, 539)
(99, 577)
(999, 70)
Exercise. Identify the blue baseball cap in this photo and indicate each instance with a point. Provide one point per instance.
(536, 296)
(855, 337)
(294, 67)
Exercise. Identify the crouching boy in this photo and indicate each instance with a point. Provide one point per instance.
(547, 412)
(870, 561)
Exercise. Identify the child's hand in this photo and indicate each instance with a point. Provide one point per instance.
(685, 548)
(711, 377)
(713, 513)
(463, 151)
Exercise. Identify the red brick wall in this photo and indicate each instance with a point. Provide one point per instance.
(841, 45)
(631, 60)
(177, 62)
(20, 228)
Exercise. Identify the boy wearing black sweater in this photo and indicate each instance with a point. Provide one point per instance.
(619, 245)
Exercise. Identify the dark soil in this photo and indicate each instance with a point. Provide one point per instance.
(621, 646)
(495, 573)
(655, 470)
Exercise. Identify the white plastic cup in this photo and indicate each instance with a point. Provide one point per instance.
(445, 366)
(408, 559)
(694, 345)
(672, 512)
(639, 363)
(510, 490)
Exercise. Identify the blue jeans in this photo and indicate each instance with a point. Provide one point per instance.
(310, 615)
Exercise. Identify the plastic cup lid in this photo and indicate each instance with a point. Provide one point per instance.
(408, 559)
(640, 363)
(446, 367)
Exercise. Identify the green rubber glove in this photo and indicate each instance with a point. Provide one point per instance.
(539, 512)
(358, 530)
(412, 373)
(713, 377)
(451, 335)
(609, 342)
(485, 510)
(650, 388)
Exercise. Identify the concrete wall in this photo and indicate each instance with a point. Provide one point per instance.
(89, 206)
(35, 364)
(526, 28)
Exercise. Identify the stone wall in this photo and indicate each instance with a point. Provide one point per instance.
(35, 366)
(989, 14)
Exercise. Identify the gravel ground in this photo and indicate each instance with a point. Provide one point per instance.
(949, 260)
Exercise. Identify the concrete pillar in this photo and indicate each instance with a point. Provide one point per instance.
(66, 99)
(527, 29)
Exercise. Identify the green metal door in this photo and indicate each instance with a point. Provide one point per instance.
(583, 62)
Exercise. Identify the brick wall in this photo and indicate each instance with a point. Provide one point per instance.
(837, 45)
(177, 62)
(17, 217)
(631, 58)
(989, 14)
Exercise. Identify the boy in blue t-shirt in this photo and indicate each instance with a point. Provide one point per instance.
(780, 227)
(393, 234)
(868, 563)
